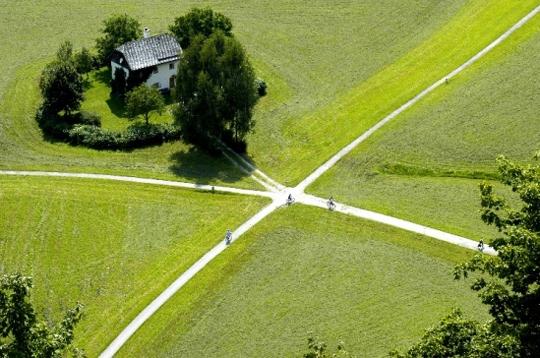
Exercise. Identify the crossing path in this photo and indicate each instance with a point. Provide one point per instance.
(278, 193)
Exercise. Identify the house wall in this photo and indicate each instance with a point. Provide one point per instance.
(163, 75)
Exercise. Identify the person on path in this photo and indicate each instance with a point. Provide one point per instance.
(290, 199)
(331, 203)
(481, 246)
(228, 237)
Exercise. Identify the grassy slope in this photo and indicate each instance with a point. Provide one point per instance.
(111, 246)
(311, 56)
(111, 110)
(408, 169)
(303, 270)
(302, 141)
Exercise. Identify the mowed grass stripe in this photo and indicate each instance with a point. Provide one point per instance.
(112, 246)
(305, 269)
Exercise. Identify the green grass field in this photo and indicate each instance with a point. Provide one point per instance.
(305, 269)
(425, 166)
(332, 71)
(114, 247)
(97, 99)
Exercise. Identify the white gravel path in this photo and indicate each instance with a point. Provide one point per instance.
(203, 187)
(392, 221)
(278, 193)
(181, 281)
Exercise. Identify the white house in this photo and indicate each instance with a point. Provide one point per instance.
(152, 60)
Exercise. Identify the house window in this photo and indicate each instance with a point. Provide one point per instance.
(155, 70)
(156, 85)
(171, 66)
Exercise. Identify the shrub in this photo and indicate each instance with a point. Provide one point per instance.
(84, 61)
(136, 136)
(83, 128)
(261, 87)
(90, 118)
(60, 84)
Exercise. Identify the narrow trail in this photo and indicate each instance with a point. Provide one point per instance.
(278, 193)
(245, 166)
(395, 222)
(171, 183)
(149, 310)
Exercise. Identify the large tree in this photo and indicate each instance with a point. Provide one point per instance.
(60, 84)
(117, 30)
(143, 100)
(215, 90)
(509, 283)
(199, 22)
(21, 333)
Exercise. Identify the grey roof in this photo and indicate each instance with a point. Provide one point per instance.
(150, 51)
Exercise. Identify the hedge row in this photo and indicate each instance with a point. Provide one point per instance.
(136, 136)
(84, 129)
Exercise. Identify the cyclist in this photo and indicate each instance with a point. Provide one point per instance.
(331, 203)
(228, 237)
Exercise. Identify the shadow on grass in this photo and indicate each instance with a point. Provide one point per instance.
(203, 168)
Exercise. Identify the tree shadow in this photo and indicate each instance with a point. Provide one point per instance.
(203, 168)
(116, 106)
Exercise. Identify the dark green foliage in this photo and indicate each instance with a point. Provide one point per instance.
(119, 84)
(84, 61)
(83, 128)
(117, 30)
(509, 283)
(89, 118)
(318, 349)
(136, 136)
(215, 90)
(57, 127)
(456, 336)
(143, 100)
(199, 22)
(261, 87)
(512, 286)
(60, 84)
(21, 333)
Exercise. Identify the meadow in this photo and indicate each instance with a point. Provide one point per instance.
(305, 269)
(112, 247)
(331, 71)
(426, 165)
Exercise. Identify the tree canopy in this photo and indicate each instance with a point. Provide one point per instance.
(60, 84)
(509, 283)
(143, 100)
(84, 61)
(199, 22)
(216, 90)
(117, 30)
(21, 333)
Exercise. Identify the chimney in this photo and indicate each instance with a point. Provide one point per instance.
(146, 32)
